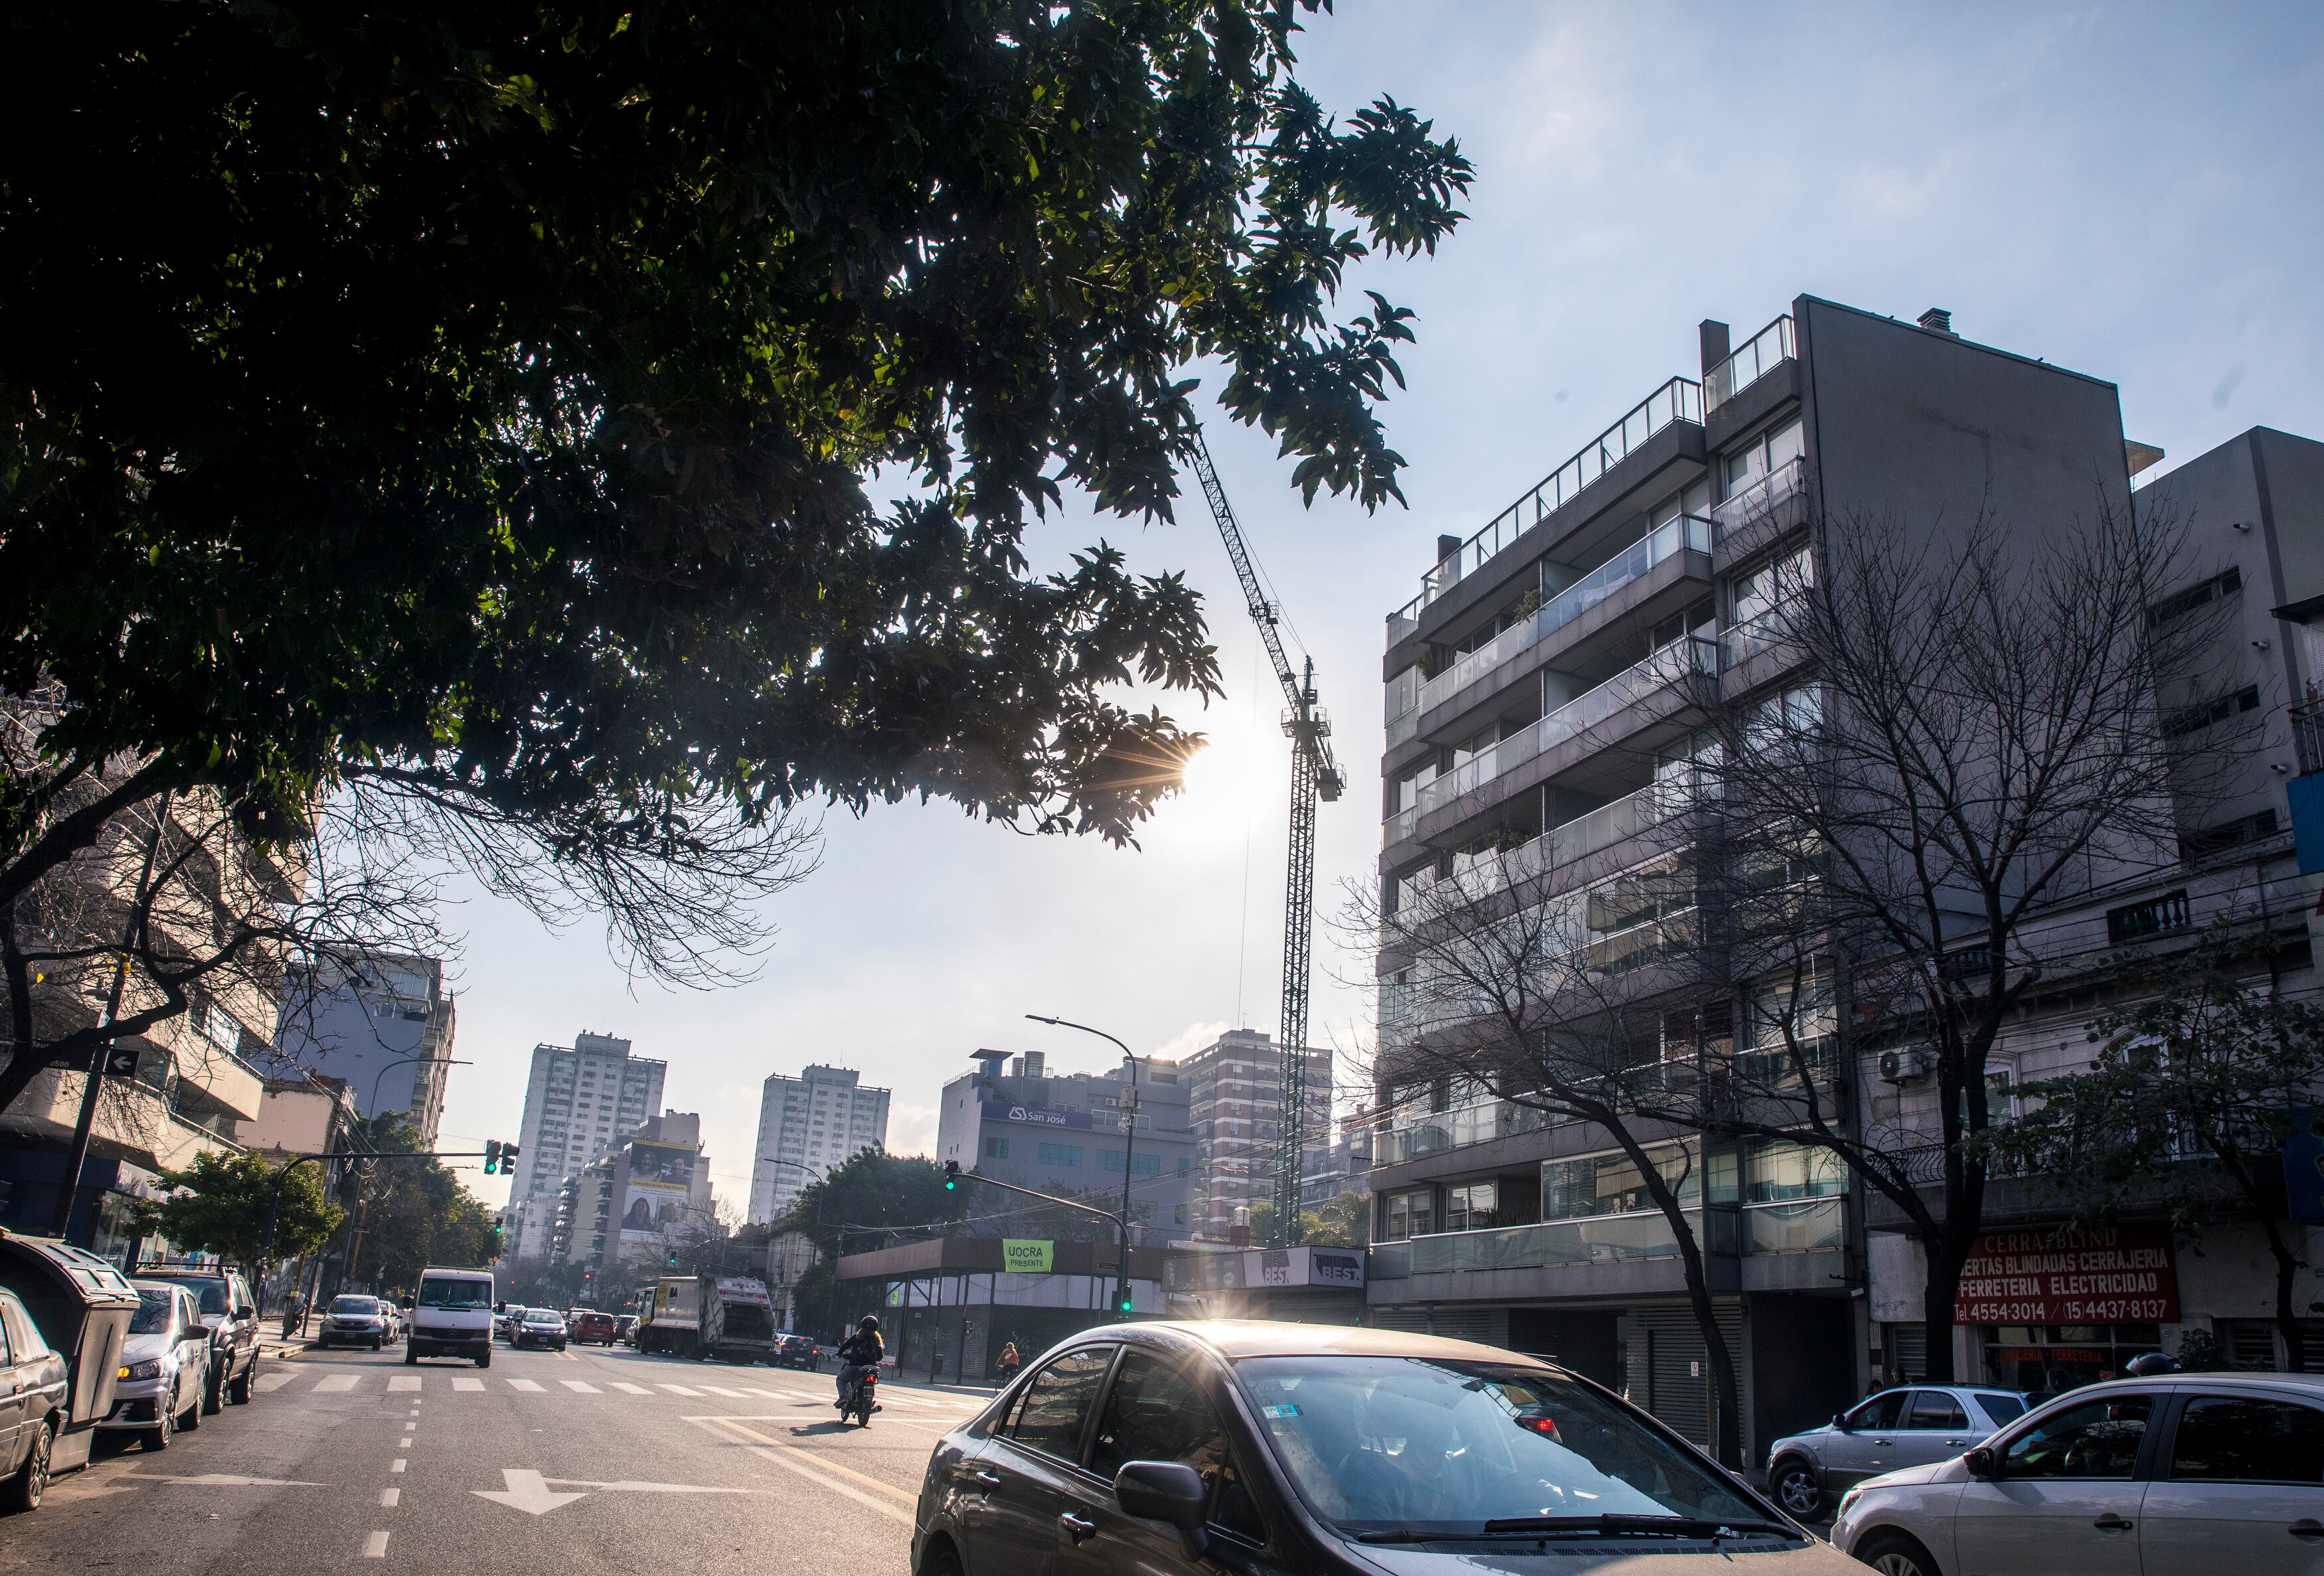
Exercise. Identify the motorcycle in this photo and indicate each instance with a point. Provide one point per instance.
(862, 1399)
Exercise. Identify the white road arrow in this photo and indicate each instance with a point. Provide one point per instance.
(527, 1491)
(530, 1491)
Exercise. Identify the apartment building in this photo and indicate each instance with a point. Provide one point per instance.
(578, 1099)
(1013, 1119)
(1235, 1103)
(807, 1125)
(644, 1196)
(1561, 662)
(384, 1030)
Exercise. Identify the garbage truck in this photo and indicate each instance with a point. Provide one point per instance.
(729, 1317)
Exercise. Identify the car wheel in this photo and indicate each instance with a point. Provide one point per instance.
(24, 1491)
(165, 1410)
(377, 1344)
(1896, 1553)
(1793, 1484)
(238, 1389)
(191, 1418)
(410, 1356)
(940, 1561)
(487, 1359)
(214, 1389)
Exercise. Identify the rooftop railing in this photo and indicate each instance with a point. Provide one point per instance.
(1679, 399)
(1767, 350)
(1686, 532)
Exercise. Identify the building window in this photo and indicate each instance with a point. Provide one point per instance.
(2194, 718)
(1186, 1165)
(2137, 921)
(1061, 1155)
(996, 1148)
(2195, 597)
(1471, 1206)
(1408, 1214)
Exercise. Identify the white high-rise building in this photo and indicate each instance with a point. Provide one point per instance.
(807, 1125)
(578, 1101)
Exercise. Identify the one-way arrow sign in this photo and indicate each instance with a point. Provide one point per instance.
(530, 1491)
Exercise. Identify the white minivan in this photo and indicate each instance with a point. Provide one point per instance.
(452, 1316)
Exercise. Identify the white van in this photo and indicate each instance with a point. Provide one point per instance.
(452, 1316)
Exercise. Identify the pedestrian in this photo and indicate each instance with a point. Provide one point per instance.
(1008, 1363)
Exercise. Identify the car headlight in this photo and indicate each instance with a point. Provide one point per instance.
(151, 1368)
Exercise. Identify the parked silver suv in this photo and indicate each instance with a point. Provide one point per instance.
(1904, 1427)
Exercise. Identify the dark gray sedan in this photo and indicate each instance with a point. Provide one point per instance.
(32, 1405)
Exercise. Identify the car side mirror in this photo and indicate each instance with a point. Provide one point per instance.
(1840, 1424)
(1983, 1464)
(1170, 1492)
(198, 1333)
(404, 1303)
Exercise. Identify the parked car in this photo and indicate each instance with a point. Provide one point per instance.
(2189, 1474)
(354, 1321)
(793, 1351)
(1169, 1449)
(590, 1325)
(231, 1312)
(165, 1367)
(38, 1384)
(543, 1328)
(1905, 1427)
(627, 1332)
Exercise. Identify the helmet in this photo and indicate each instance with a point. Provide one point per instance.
(869, 1322)
(2149, 1363)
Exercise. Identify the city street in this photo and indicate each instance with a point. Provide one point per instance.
(589, 1460)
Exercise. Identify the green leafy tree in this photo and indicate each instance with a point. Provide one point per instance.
(406, 1211)
(222, 1204)
(1343, 1221)
(2195, 1089)
(868, 1201)
(1263, 1227)
(482, 416)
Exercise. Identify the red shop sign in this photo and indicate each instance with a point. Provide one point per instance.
(2107, 1275)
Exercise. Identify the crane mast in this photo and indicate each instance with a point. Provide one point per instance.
(1314, 775)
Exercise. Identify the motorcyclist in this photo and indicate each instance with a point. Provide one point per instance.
(860, 1355)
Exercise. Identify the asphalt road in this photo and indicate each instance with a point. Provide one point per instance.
(575, 1464)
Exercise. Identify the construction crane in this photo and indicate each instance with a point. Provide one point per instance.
(1314, 775)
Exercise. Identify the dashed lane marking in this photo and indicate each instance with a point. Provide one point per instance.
(375, 1546)
(388, 1496)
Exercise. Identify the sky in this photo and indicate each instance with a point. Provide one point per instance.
(2127, 191)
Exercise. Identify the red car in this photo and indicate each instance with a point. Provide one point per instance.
(590, 1325)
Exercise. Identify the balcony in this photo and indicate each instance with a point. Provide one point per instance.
(1760, 501)
(1569, 841)
(1397, 828)
(1685, 533)
(1679, 399)
(1767, 350)
(1684, 658)
(1434, 1132)
(1644, 1237)
(1808, 1225)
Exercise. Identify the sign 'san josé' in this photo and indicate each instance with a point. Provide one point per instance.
(2108, 1275)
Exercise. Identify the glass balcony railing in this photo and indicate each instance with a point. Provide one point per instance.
(1767, 350)
(1434, 1132)
(1758, 500)
(1599, 1240)
(1686, 532)
(1808, 1225)
(1681, 659)
(1569, 841)
(1679, 399)
(1397, 827)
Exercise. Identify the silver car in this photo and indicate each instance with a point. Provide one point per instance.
(165, 1365)
(2174, 1475)
(1905, 1427)
(354, 1319)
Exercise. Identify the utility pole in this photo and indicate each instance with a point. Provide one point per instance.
(1314, 775)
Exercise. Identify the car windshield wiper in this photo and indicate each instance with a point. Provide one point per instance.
(1585, 1526)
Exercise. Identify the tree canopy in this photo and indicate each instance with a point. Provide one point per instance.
(490, 402)
(222, 1204)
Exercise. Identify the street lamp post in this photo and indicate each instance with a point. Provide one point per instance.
(409, 1062)
(790, 1304)
(1128, 1143)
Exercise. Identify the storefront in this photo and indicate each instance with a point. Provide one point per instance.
(2057, 1308)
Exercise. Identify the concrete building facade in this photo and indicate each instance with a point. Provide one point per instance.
(1235, 1103)
(1013, 1121)
(579, 1099)
(385, 1031)
(807, 1125)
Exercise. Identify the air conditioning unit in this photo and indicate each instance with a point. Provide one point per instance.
(1905, 1067)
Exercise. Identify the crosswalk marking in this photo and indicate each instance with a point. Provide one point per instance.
(465, 1382)
(527, 1385)
(267, 1383)
(332, 1383)
(723, 1390)
(403, 1381)
(583, 1388)
(631, 1389)
(677, 1390)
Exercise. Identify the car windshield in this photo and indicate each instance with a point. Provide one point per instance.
(209, 1293)
(1384, 1444)
(355, 1304)
(542, 1316)
(152, 1315)
(444, 1292)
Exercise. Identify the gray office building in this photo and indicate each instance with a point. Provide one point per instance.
(1012, 1120)
(385, 1031)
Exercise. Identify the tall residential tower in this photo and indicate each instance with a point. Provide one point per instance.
(578, 1101)
(807, 1125)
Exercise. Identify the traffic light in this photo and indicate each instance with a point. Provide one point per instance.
(508, 1159)
(673, 1258)
(492, 1157)
(952, 1177)
(1122, 1300)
